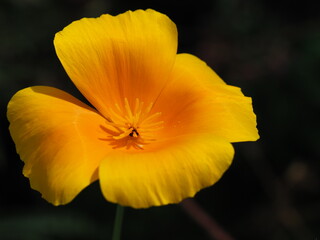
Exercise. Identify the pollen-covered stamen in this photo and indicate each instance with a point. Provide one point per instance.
(136, 123)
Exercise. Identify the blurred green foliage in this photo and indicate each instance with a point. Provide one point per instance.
(271, 49)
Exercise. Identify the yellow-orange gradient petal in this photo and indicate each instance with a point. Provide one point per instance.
(111, 58)
(196, 100)
(59, 139)
(175, 169)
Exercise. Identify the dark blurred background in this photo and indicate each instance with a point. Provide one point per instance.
(271, 49)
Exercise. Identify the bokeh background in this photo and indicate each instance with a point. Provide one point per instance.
(271, 49)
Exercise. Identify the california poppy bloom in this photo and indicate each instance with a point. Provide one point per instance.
(160, 126)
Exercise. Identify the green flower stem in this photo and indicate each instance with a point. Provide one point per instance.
(118, 223)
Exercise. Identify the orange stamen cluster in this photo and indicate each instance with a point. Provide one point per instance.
(134, 124)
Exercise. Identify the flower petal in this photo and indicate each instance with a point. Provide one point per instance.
(198, 101)
(59, 139)
(175, 169)
(111, 58)
(197, 70)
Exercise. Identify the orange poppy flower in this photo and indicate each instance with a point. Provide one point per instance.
(160, 128)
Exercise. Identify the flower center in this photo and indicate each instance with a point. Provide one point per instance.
(135, 126)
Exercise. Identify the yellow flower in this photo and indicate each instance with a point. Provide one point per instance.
(161, 124)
